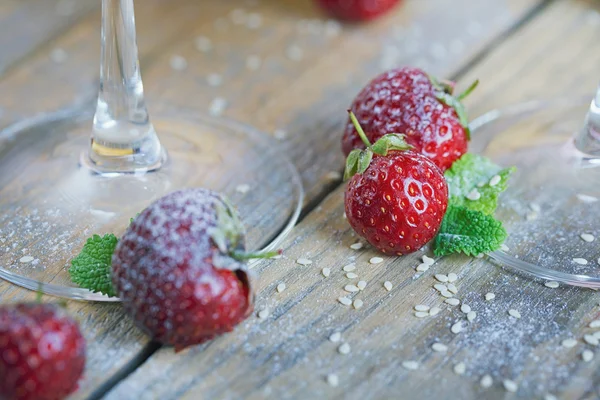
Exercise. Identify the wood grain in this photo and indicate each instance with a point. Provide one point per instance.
(288, 355)
(25, 25)
(301, 97)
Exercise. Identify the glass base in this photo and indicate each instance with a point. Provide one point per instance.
(553, 198)
(50, 202)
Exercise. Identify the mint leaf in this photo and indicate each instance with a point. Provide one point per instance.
(471, 174)
(91, 268)
(468, 231)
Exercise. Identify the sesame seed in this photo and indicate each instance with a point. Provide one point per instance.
(279, 134)
(580, 261)
(376, 260)
(410, 365)
(345, 301)
(587, 355)
(531, 216)
(243, 188)
(356, 246)
(490, 296)
(351, 288)
(440, 288)
(344, 348)
(549, 396)
(335, 337)
(178, 63)
(569, 343)
(217, 106)
(253, 62)
(422, 267)
(595, 323)
(514, 313)
(294, 53)
(452, 288)
(238, 16)
(253, 21)
(332, 27)
(446, 294)
(351, 275)
(465, 308)
(471, 315)
(434, 311)
(281, 287)
(587, 237)
(203, 44)
(333, 380)
(551, 284)
(586, 198)
(361, 285)
(460, 368)
(592, 340)
(456, 328)
(439, 347)
(358, 303)
(26, 259)
(441, 277)
(421, 314)
(504, 247)
(473, 195)
(264, 313)
(486, 381)
(452, 277)
(480, 255)
(427, 260)
(535, 207)
(349, 267)
(388, 285)
(495, 180)
(214, 80)
(452, 301)
(421, 307)
(304, 261)
(326, 272)
(59, 56)
(510, 386)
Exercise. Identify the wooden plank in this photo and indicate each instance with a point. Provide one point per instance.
(75, 79)
(307, 98)
(41, 85)
(288, 354)
(25, 25)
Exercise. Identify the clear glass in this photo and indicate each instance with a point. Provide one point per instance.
(68, 175)
(552, 205)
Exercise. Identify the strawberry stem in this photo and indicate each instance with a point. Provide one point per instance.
(243, 256)
(468, 90)
(359, 129)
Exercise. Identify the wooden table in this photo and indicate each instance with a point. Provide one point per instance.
(520, 49)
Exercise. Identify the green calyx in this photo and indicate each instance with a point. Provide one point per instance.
(228, 235)
(359, 160)
(444, 93)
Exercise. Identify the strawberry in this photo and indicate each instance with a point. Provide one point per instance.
(408, 101)
(357, 10)
(179, 268)
(42, 353)
(396, 198)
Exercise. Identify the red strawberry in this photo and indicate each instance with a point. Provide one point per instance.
(179, 269)
(42, 353)
(408, 101)
(357, 10)
(396, 198)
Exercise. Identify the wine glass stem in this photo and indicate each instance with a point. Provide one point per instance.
(123, 138)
